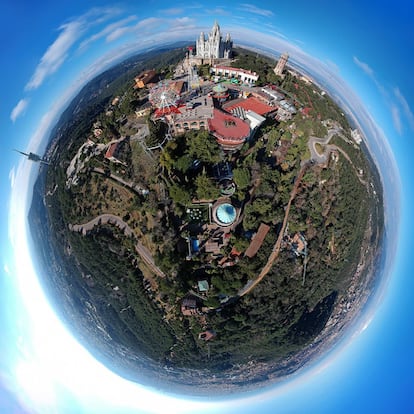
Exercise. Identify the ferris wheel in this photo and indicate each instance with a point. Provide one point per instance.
(164, 98)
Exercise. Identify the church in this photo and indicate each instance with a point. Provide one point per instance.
(213, 48)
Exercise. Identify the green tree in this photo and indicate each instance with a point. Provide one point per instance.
(167, 156)
(272, 176)
(203, 147)
(206, 188)
(241, 244)
(179, 195)
(212, 302)
(256, 212)
(183, 163)
(204, 70)
(242, 178)
(157, 131)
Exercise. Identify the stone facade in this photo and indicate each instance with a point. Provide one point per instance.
(214, 47)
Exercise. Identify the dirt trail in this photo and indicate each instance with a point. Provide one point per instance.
(276, 248)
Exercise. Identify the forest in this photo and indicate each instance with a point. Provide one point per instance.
(290, 306)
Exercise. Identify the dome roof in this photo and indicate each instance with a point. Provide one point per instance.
(226, 213)
(220, 88)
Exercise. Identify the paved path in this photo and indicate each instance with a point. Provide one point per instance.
(102, 219)
(144, 253)
(128, 184)
(315, 155)
(328, 148)
(114, 177)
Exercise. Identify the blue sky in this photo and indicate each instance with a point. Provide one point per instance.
(50, 49)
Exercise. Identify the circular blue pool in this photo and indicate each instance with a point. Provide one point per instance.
(226, 214)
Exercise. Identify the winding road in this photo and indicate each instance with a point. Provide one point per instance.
(328, 148)
(315, 155)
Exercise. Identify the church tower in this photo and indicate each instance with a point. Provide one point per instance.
(281, 63)
(227, 47)
(215, 41)
(213, 47)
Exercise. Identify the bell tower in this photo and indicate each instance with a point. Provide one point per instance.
(281, 63)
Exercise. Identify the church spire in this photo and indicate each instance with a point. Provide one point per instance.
(215, 32)
(214, 47)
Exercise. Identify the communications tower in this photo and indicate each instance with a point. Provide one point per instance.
(33, 157)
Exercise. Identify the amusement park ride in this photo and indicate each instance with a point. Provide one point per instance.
(164, 98)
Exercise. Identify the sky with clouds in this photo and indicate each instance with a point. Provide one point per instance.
(54, 49)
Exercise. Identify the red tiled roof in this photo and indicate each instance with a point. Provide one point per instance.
(146, 76)
(177, 86)
(227, 128)
(252, 104)
(257, 240)
(111, 150)
(235, 252)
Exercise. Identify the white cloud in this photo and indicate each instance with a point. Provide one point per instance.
(106, 31)
(333, 66)
(12, 177)
(396, 118)
(152, 25)
(58, 51)
(299, 42)
(389, 98)
(370, 72)
(364, 66)
(19, 109)
(98, 15)
(144, 25)
(56, 54)
(184, 23)
(251, 8)
(173, 11)
(278, 34)
(218, 11)
(406, 108)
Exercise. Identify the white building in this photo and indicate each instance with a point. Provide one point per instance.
(245, 76)
(213, 47)
(275, 95)
(356, 135)
(255, 120)
(285, 110)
